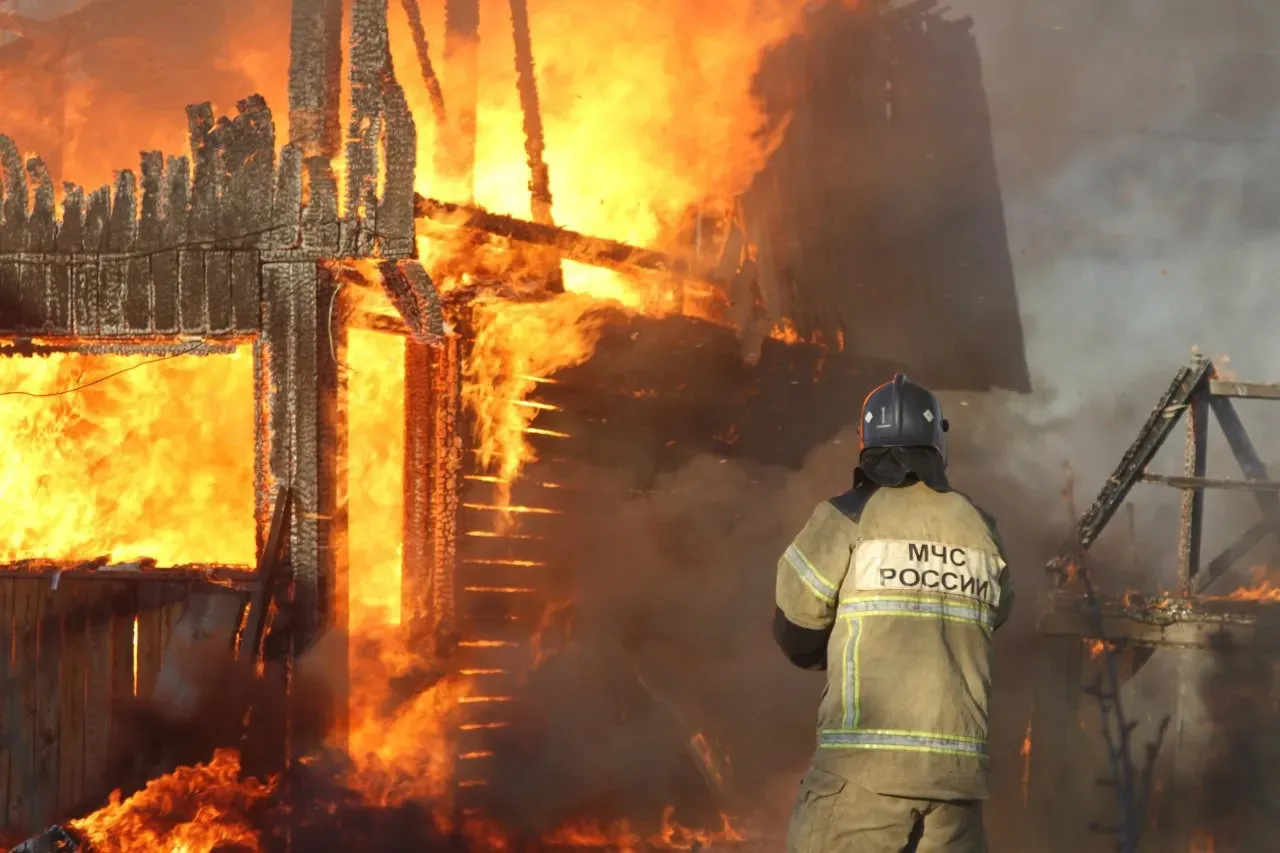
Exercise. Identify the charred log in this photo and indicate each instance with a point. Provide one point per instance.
(55, 839)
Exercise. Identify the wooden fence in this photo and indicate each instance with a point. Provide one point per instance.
(72, 651)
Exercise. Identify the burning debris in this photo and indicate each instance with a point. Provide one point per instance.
(1135, 646)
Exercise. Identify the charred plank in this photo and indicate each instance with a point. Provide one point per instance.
(202, 222)
(13, 211)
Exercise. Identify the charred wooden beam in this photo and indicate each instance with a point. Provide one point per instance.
(369, 53)
(534, 143)
(315, 51)
(429, 77)
(227, 576)
(1191, 623)
(1191, 518)
(1211, 483)
(55, 839)
(573, 245)
(410, 289)
(1157, 429)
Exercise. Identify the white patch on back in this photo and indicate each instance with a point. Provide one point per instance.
(897, 565)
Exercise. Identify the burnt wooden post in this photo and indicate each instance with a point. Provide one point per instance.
(1191, 517)
(431, 470)
(315, 69)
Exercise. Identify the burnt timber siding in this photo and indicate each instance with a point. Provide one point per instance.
(71, 669)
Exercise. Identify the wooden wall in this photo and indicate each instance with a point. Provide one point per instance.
(67, 659)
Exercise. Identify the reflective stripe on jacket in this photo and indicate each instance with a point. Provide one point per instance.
(910, 582)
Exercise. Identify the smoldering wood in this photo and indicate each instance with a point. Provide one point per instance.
(321, 227)
(324, 440)
(13, 210)
(413, 13)
(217, 292)
(412, 292)
(1216, 625)
(55, 839)
(396, 230)
(431, 481)
(286, 205)
(370, 50)
(315, 51)
(200, 224)
(250, 162)
(1191, 513)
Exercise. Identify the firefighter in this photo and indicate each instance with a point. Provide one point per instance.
(894, 589)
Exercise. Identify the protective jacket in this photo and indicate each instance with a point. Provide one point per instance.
(895, 592)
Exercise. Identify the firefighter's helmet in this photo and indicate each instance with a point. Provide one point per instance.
(902, 413)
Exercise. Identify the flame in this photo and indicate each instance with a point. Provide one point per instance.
(1096, 648)
(623, 837)
(707, 756)
(192, 810)
(515, 344)
(1025, 752)
(155, 461)
(1264, 588)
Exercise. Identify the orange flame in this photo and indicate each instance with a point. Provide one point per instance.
(192, 810)
(1263, 589)
(155, 461)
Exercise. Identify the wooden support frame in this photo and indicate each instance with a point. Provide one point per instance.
(1176, 628)
(1194, 392)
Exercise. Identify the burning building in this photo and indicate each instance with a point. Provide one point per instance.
(371, 498)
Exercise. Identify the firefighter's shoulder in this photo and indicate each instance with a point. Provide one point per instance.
(988, 518)
(850, 504)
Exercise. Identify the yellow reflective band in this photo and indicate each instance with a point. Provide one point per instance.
(811, 577)
(920, 607)
(902, 740)
(850, 687)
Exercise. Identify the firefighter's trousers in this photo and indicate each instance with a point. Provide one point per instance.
(834, 815)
